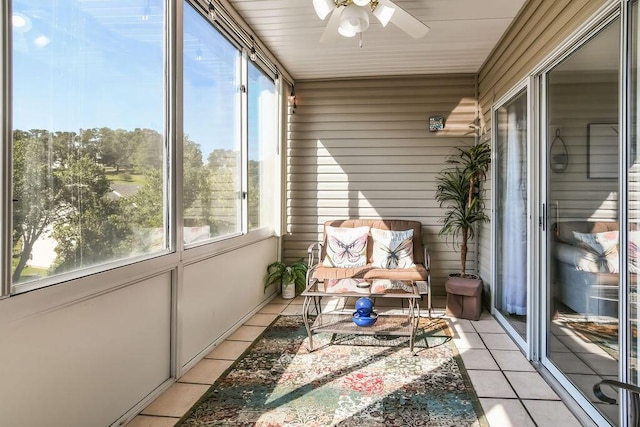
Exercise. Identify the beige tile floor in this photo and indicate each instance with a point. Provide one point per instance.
(511, 392)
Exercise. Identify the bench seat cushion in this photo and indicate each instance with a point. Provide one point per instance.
(417, 272)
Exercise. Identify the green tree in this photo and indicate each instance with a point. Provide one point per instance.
(63, 145)
(89, 143)
(37, 193)
(148, 149)
(145, 208)
(225, 189)
(253, 196)
(115, 148)
(196, 176)
(94, 228)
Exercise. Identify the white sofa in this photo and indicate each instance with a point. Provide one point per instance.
(585, 281)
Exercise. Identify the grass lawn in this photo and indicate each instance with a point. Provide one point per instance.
(30, 271)
(124, 177)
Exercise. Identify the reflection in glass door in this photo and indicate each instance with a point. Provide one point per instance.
(633, 210)
(582, 216)
(510, 212)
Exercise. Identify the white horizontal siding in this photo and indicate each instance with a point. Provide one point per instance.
(362, 149)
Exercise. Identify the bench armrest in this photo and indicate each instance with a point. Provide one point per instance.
(427, 265)
(427, 259)
(313, 253)
(313, 260)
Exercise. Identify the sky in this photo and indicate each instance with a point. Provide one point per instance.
(79, 65)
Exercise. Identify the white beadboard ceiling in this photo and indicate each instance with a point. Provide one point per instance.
(463, 33)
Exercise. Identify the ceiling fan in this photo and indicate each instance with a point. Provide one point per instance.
(351, 17)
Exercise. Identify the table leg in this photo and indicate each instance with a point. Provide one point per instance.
(414, 319)
(305, 317)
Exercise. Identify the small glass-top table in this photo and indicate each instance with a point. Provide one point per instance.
(341, 322)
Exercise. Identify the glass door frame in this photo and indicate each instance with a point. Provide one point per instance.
(523, 87)
(543, 134)
(535, 347)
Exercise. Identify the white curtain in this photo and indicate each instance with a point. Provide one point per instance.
(514, 232)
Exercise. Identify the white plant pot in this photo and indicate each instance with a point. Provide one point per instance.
(288, 291)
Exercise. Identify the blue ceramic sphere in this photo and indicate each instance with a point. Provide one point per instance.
(365, 320)
(364, 306)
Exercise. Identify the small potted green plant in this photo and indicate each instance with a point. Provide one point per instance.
(292, 277)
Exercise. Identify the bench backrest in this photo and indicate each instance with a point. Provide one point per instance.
(383, 224)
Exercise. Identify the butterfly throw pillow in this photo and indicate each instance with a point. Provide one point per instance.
(346, 247)
(392, 249)
(605, 245)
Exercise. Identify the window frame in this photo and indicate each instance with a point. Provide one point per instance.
(8, 288)
(92, 278)
(220, 243)
(5, 153)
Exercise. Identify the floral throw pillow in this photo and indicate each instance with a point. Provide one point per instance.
(392, 249)
(346, 247)
(605, 245)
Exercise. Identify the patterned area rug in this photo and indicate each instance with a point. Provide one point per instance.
(604, 335)
(348, 380)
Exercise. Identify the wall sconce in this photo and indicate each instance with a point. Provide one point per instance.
(292, 99)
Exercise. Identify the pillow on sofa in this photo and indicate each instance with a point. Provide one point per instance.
(632, 251)
(346, 247)
(578, 258)
(605, 245)
(392, 249)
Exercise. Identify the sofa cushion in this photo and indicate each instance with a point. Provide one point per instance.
(578, 258)
(565, 230)
(392, 249)
(346, 247)
(417, 272)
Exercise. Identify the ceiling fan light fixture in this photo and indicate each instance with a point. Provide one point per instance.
(384, 13)
(353, 21)
(361, 2)
(345, 32)
(323, 7)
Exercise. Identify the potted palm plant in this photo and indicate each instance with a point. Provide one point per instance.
(459, 191)
(292, 277)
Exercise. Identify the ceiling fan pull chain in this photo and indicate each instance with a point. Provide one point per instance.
(360, 43)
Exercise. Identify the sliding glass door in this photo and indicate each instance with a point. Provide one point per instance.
(632, 213)
(581, 220)
(511, 213)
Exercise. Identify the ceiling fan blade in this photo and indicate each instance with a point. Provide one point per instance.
(331, 31)
(405, 21)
